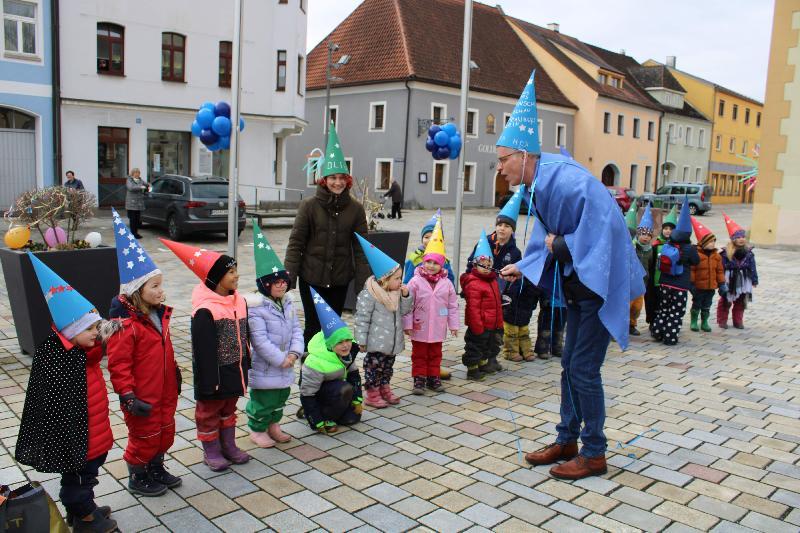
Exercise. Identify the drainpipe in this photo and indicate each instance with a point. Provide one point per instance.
(55, 61)
(405, 144)
(658, 154)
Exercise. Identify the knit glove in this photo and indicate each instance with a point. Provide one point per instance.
(723, 290)
(133, 405)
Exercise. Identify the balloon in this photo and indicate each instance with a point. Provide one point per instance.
(205, 117)
(208, 105)
(221, 126)
(53, 237)
(441, 138)
(450, 128)
(433, 130)
(214, 146)
(241, 124)
(442, 152)
(455, 143)
(430, 145)
(93, 238)
(222, 109)
(17, 237)
(455, 153)
(196, 129)
(208, 137)
(224, 142)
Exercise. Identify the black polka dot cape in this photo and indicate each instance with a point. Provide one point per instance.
(54, 433)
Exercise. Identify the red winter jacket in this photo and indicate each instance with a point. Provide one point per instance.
(484, 309)
(100, 437)
(140, 359)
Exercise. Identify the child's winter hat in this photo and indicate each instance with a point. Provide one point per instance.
(672, 218)
(646, 224)
(702, 233)
(207, 265)
(269, 268)
(522, 129)
(510, 212)
(434, 251)
(333, 328)
(134, 265)
(71, 312)
(334, 162)
(630, 218)
(381, 264)
(735, 231)
(429, 225)
(482, 249)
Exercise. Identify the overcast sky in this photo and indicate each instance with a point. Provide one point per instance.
(724, 41)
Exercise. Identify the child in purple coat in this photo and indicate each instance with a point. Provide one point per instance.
(277, 342)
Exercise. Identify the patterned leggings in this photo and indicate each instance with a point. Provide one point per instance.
(377, 369)
(668, 320)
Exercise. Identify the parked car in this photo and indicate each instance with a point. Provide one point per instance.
(672, 194)
(185, 205)
(622, 195)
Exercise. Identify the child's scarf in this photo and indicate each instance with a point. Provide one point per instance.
(389, 299)
(432, 278)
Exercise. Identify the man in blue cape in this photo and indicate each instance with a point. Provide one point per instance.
(580, 254)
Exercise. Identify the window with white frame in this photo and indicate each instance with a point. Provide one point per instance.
(606, 122)
(732, 145)
(541, 131)
(19, 27)
(490, 128)
(333, 111)
(469, 177)
(636, 128)
(634, 176)
(620, 125)
(377, 116)
(648, 177)
(688, 141)
(472, 122)
(441, 175)
(651, 130)
(506, 116)
(383, 173)
(698, 175)
(701, 138)
(744, 147)
(561, 135)
(313, 170)
(718, 143)
(438, 113)
(685, 173)
(349, 162)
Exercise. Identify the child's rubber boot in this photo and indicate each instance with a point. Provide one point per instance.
(227, 439)
(542, 346)
(388, 395)
(277, 434)
(419, 386)
(261, 439)
(159, 473)
(558, 344)
(704, 321)
(435, 384)
(474, 374)
(444, 374)
(105, 512)
(693, 326)
(373, 398)
(99, 523)
(140, 482)
(212, 456)
(484, 367)
(494, 365)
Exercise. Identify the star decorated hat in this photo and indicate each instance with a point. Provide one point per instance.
(434, 251)
(429, 225)
(522, 129)
(630, 218)
(734, 230)
(671, 218)
(269, 267)
(333, 162)
(482, 249)
(134, 264)
(333, 328)
(645, 226)
(198, 260)
(510, 211)
(684, 224)
(701, 233)
(381, 264)
(71, 312)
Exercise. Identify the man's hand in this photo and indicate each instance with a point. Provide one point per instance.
(510, 273)
(548, 241)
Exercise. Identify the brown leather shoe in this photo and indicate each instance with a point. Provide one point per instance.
(580, 467)
(552, 453)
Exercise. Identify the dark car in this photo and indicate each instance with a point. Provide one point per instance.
(670, 194)
(185, 205)
(623, 196)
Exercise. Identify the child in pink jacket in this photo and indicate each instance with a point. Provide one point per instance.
(435, 311)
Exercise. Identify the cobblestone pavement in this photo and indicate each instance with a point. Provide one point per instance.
(718, 419)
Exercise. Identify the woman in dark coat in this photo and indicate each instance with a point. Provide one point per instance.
(134, 200)
(396, 193)
(323, 252)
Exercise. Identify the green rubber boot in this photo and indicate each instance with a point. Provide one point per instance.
(695, 314)
(704, 321)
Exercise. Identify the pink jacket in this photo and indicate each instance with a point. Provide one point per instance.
(435, 309)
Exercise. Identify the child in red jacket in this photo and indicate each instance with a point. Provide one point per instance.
(141, 362)
(484, 313)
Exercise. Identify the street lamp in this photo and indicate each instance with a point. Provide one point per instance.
(329, 77)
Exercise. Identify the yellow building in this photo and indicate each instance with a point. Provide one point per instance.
(617, 123)
(736, 132)
(776, 213)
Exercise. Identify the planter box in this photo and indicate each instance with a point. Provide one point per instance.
(92, 272)
(392, 243)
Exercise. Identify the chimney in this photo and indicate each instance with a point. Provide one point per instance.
(553, 26)
(671, 61)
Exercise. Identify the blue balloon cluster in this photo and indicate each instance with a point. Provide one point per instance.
(212, 125)
(443, 142)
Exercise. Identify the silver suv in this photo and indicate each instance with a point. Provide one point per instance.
(672, 194)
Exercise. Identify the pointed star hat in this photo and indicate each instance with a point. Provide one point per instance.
(269, 267)
(435, 248)
(482, 249)
(380, 263)
(134, 264)
(334, 162)
(510, 211)
(672, 217)
(646, 224)
(701, 233)
(522, 129)
(333, 328)
(198, 260)
(734, 229)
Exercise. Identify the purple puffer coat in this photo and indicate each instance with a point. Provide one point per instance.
(273, 334)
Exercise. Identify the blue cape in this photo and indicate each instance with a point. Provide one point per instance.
(573, 203)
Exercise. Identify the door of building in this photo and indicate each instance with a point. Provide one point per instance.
(17, 155)
(112, 165)
(168, 153)
(500, 189)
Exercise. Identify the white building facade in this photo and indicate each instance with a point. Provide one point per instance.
(133, 75)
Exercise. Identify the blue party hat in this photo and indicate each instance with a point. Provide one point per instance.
(429, 225)
(380, 263)
(522, 129)
(134, 265)
(65, 303)
(510, 211)
(333, 328)
(647, 220)
(482, 249)
(685, 218)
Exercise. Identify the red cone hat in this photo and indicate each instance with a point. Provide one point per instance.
(199, 260)
(700, 231)
(732, 226)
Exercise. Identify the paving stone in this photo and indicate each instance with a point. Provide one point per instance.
(670, 476)
(454, 501)
(292, 467)
(484, 515)
(607, 524)
(212, 504)
(385, 519)
(709, 474)
(188, 519)
(413, 507)
(135, 518)
(638, 517)
(315, 481)
(706, 436)
(564, 523)
(167, 502)
(729, 527)
(718, 508)
(279, 485)
(597, 484)
(444, 521)
(348, 499)
(307, 502)
(690, 517)
(386, 493)
(239, 521)
(232, 485)
(765, 523)
(487, 494)
(337, 520)
(528, 493)
(528, 512)
(403, 459)
(290, 520)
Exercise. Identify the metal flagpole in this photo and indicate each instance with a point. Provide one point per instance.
(465, 67)
(233, 182)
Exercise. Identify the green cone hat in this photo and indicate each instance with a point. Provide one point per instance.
(267, 262)
(630, 217)
(672, 217)
(334, 162)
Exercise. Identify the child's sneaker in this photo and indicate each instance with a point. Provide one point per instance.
(514, 358)
(435, 384)
(419, 386)
(373, 398)
(474, 374)
(493, 365)
(98, 524)
(261, 439)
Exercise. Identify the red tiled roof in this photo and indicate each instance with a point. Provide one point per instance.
(395, 40)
